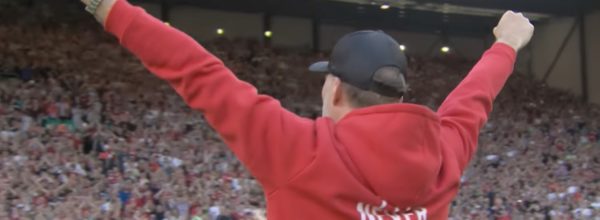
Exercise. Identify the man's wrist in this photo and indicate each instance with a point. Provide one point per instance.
(92, 6)
(510, 43)
(103, 10)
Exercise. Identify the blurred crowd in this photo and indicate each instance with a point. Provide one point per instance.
(87, 133)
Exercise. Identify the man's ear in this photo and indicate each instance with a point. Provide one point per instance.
(337, 91)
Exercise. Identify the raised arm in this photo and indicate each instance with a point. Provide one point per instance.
(260, 132)
(466, 109)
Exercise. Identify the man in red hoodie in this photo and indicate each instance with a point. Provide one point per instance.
(369, 156)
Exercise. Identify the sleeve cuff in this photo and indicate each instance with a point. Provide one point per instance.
(119, 18)
(505, 49)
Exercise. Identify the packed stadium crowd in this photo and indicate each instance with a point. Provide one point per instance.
(87, 133)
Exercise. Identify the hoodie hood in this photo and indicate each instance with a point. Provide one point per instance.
(395, 150)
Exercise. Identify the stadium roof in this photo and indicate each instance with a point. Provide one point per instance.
(452, 17)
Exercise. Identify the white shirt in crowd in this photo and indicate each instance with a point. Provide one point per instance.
(25, 123)
(214, 212)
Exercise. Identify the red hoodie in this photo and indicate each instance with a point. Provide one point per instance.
(397, 161)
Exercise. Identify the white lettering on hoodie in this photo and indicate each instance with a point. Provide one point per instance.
(368, 212)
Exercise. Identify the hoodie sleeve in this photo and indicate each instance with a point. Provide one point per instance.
(273, 144)
(466, 109)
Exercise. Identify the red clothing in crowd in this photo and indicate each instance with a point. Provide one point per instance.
(52, 110)
(104, 155)
(504, 217)
(154, 166)
(384, 162)
(140, 201)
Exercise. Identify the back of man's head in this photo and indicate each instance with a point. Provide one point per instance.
(366, 68)
(389, 80)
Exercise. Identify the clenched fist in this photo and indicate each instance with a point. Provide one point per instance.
(514, 29)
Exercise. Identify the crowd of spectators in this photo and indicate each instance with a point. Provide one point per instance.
(87, 133)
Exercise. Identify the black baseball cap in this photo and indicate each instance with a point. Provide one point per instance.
(357, 56)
